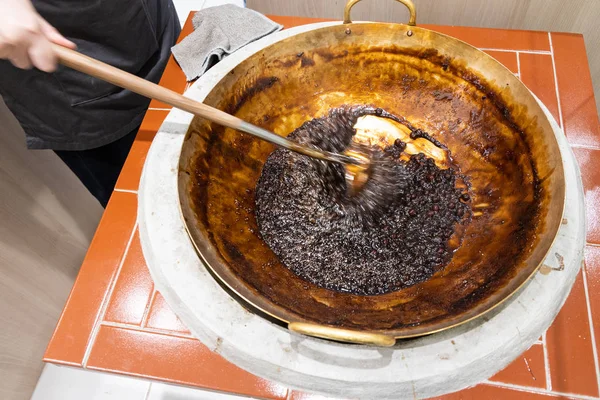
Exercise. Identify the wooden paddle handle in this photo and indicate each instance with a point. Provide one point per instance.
(118, 77)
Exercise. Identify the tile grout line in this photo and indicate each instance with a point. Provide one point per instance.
(546, 363)
(584, 146)
(591, 321)
(148, 392)
(556, 84)
(136, 328)
(515, 51)
(148, 307)
(106, 300)
(58, 362)
(125, 191)
(529, 389)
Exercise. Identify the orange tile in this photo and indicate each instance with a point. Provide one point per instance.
(537, 74)
(159, 104)
(575, 88)
(129, 179)
(570, 354)
(187, 27)
(151, 124)
(589, 163)
(496, 38)
(174, 359)
(527, 370)
(173, 78)
(592, 269)
(489, 392)
(133, 288)
(506, 58)
(162, 317)
(99, 267)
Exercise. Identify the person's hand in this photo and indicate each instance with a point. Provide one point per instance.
(25, 37)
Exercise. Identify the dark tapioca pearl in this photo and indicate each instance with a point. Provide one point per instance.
(435, 207)
(400, 144)
(412, 212)
(452, 206)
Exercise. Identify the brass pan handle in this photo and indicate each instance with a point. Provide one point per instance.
(408, 3)
(342, 335)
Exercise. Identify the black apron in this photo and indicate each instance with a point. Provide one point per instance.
(68, 110)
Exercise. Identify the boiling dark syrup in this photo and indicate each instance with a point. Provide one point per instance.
(392, 234)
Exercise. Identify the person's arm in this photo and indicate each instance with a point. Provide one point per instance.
(25, 36)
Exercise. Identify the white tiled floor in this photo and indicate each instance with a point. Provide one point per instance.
(71, 383)
(68, 383)
(161, 391)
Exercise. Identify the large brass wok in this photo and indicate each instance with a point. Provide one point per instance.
(496, 131)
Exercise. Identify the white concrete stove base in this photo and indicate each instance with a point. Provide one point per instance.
(418, 368)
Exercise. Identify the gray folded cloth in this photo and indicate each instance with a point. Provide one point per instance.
(218, 32)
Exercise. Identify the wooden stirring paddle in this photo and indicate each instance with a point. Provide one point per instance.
(123, 79)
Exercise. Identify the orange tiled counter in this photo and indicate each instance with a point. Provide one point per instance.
(116, 321)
